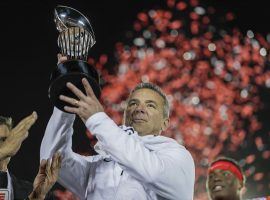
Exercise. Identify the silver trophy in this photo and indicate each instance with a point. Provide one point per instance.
(76, 37)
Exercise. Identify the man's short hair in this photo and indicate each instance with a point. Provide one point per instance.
(232, 161)
(151, 86)
(6, 121)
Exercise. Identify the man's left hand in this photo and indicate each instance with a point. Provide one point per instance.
(87, 105)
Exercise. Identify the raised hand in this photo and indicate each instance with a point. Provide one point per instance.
(16, 136)
(87, 105)
(46, 177)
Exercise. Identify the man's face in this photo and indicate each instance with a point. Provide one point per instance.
(4, 132)
(144, 112)
(223, 185)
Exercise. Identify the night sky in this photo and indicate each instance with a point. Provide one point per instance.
(29, 48)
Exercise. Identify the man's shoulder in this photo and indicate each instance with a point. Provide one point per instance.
(22, 189)
(20, 182)
(160, 139)
(162, 143)
(170, 146)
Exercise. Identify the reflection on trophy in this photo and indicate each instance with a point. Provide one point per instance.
(75, 38)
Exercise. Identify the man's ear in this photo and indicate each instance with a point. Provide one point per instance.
(124, 114)
(240, 187)
(124, 118)
(240, 184)
(165, 124)
(243, 190)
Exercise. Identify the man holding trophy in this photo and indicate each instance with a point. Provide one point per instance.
(133, 161)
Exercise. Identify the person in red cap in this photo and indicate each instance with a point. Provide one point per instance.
(225, 180)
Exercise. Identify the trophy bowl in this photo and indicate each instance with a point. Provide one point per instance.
(76, 37)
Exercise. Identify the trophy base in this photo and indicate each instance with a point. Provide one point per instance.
(72, 71)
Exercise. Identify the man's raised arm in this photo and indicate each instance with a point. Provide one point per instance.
(74, 172)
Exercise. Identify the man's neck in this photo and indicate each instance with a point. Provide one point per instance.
(3, 165)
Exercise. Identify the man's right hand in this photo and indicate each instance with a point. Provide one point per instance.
(17, 135)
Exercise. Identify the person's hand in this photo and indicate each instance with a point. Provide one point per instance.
(60, 58)
(87, 105)
(17, 135)
(46, 177)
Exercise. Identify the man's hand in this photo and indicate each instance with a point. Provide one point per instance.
(46, 177)
(17, 135)
(60, 58)
(87, 105)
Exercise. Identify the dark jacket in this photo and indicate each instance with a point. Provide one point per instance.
(22, 189)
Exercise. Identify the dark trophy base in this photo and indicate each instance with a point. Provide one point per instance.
(72, 71)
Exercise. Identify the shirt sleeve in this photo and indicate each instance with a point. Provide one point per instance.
(170, 172)
(75, 169)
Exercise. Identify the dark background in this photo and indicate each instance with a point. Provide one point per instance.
(28, 55)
